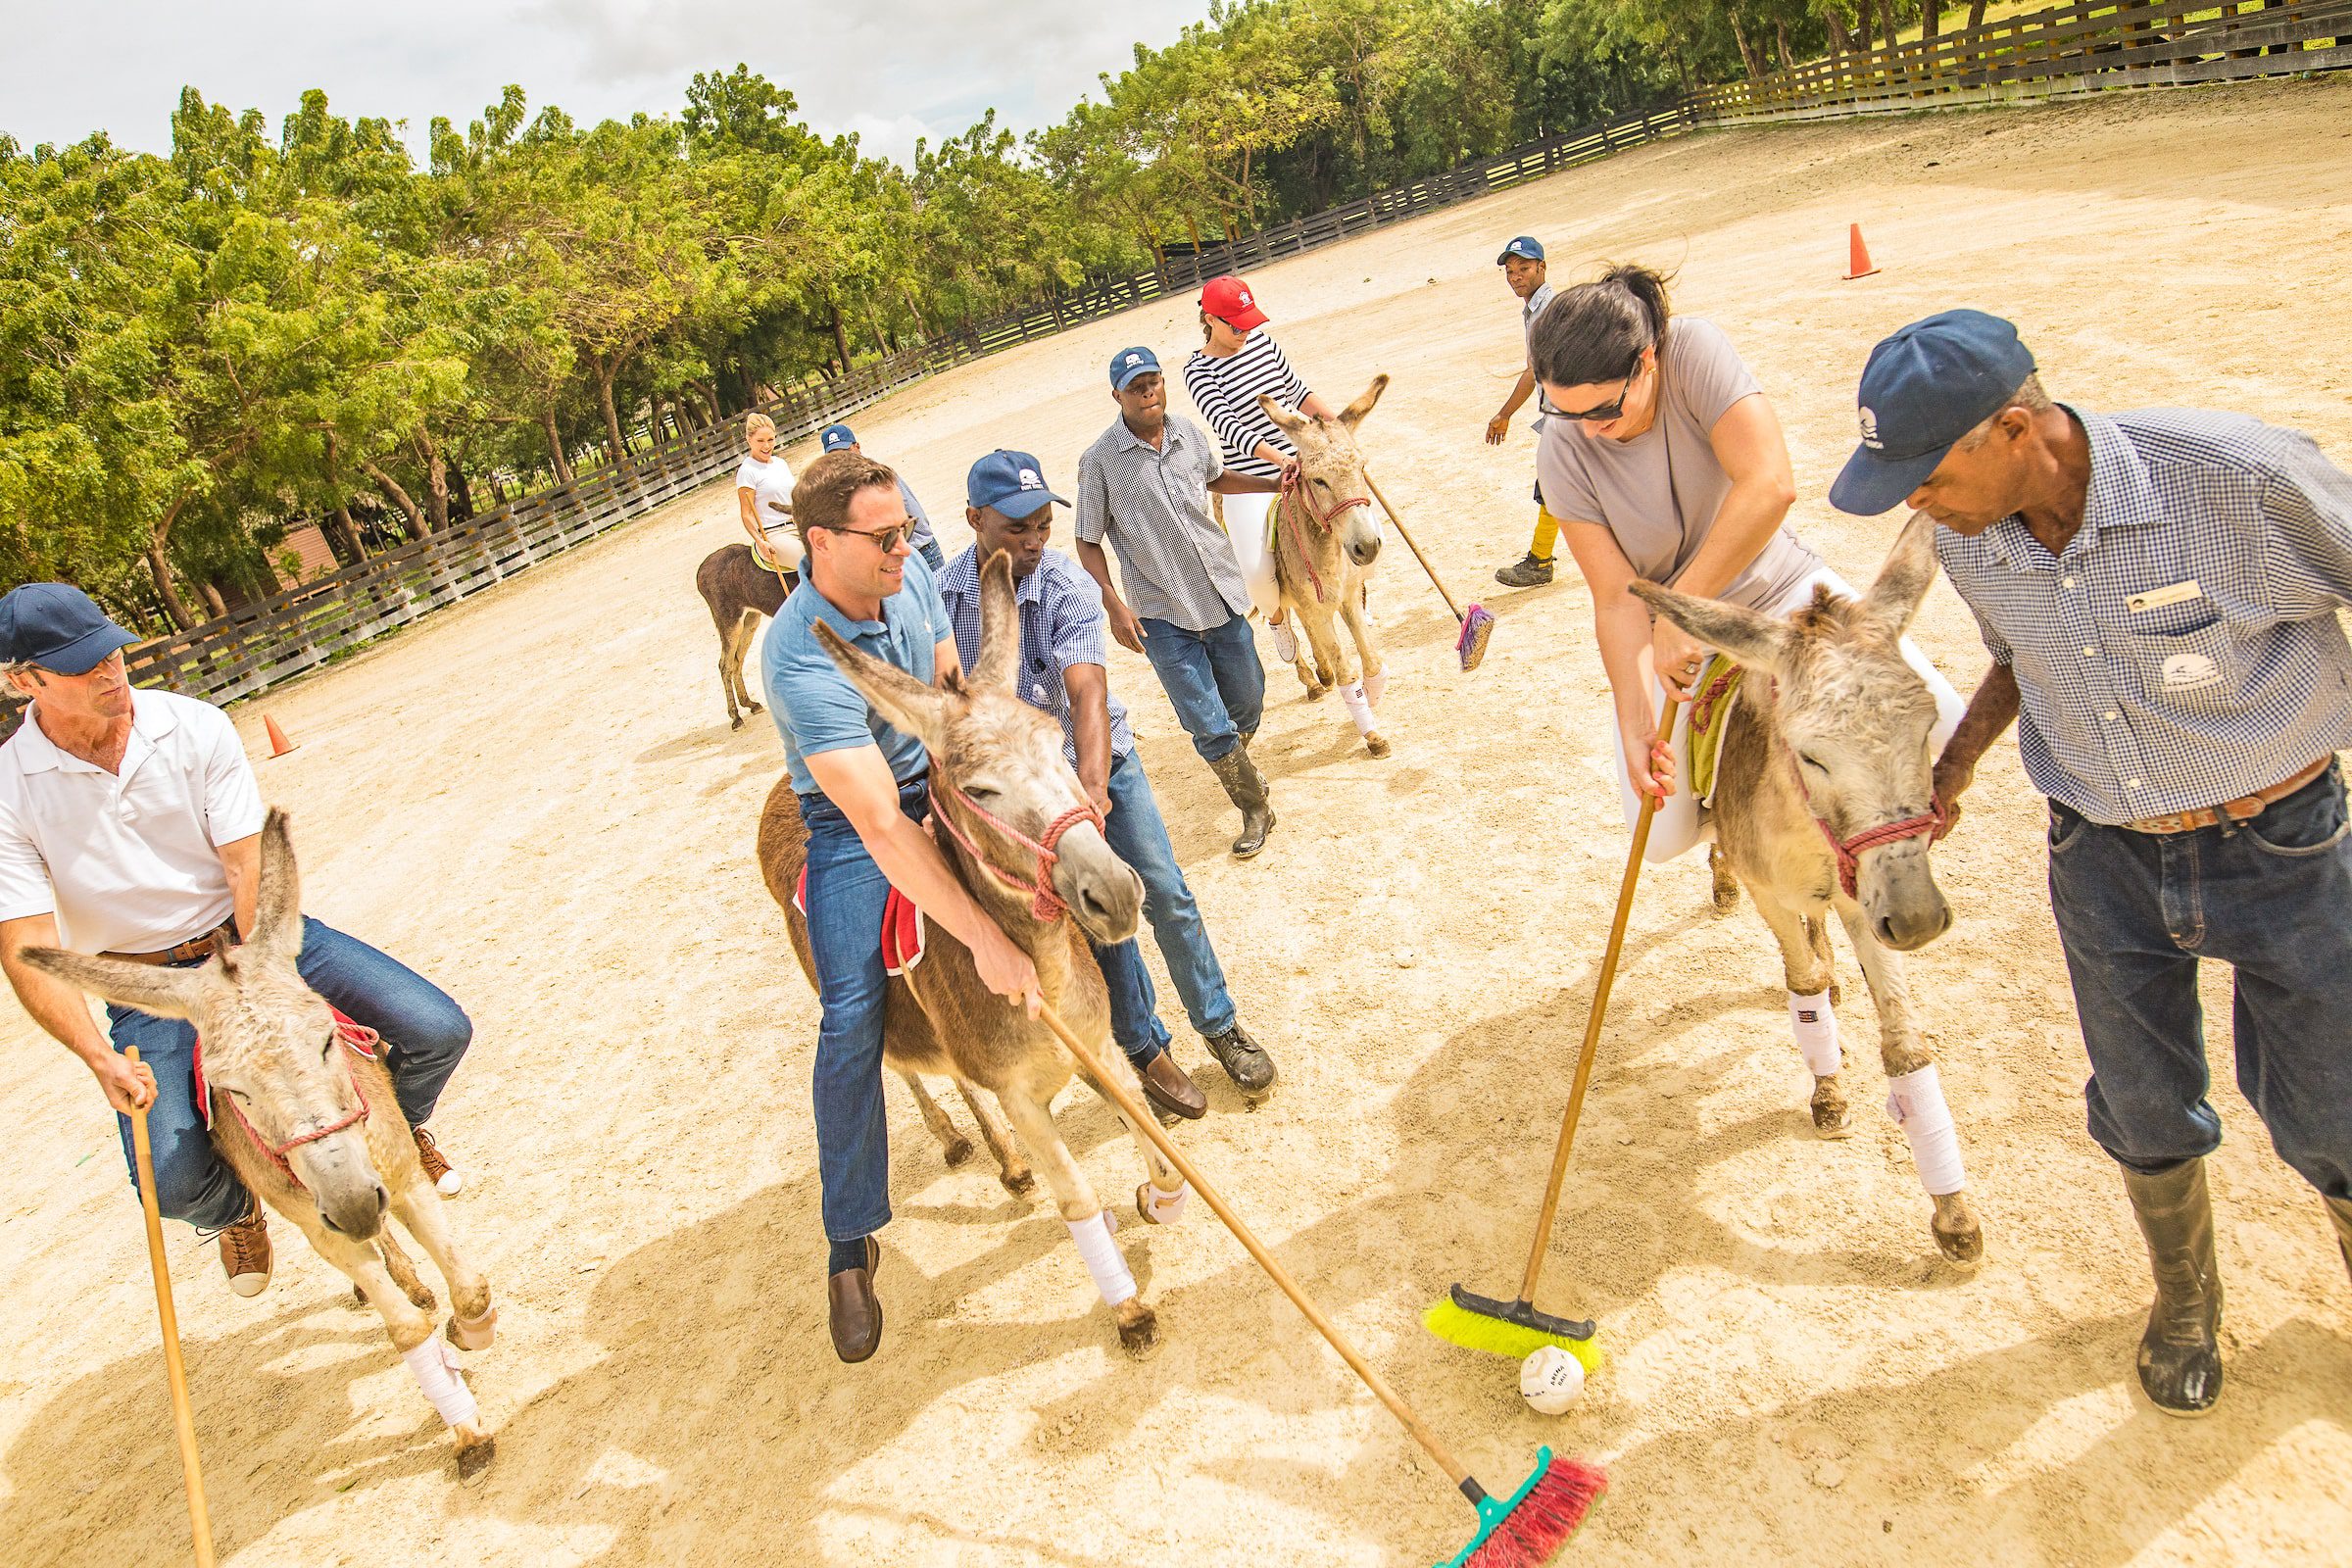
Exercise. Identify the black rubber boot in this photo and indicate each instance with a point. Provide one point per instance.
(1247, 788)
(2181, 1354)
(2339, 1209)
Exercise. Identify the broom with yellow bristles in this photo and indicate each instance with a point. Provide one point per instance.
(1515, 1328)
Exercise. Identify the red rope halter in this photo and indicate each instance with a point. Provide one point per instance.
(1044, 903)
(1295, 500)
(360, 1041)
(1931, 824)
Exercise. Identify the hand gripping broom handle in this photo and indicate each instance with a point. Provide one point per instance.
(1593, 1021)
(1416, 548)
(1148, 1126)
(183, 1415)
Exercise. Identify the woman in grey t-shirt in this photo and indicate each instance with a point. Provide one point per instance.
(1667, 462)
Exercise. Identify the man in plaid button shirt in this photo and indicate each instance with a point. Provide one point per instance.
(2158, 591)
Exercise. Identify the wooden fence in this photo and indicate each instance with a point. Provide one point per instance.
(2091, 46)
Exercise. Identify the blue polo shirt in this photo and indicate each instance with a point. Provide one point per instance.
(816, 707)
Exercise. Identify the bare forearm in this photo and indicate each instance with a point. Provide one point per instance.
(1231, 483)
(1097, 566)
(1623, 630)
(1990, 713)
(1519, 394)
(908, 858)
(59, 1009)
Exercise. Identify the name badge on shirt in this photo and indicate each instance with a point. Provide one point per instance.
(2158, 597)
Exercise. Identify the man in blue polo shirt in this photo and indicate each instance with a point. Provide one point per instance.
(2160, 591)
(840, 438)
(1065, 643)
(861, 790)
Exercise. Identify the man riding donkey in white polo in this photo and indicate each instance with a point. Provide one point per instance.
(130, 825)
(2160, 591)
(1065, 644)
(862, 790)
(1143, 485)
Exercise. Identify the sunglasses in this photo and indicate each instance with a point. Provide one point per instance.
(1603, 412)
(886, 539)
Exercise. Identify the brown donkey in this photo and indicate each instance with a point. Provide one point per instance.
(999, 779)
(1823, 800)
(739, 591)
(304, 1112)
(1326, 538)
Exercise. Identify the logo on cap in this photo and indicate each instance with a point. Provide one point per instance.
(1870, 429)
(1135, 359)
(1030, 480)
(1243, 295)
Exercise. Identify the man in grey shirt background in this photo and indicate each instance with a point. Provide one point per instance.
(1143, 486)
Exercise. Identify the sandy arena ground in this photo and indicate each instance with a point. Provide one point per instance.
(534, 799)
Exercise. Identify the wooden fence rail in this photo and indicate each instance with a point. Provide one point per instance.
(2066, 51)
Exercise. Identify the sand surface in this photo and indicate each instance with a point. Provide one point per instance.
(534, 798)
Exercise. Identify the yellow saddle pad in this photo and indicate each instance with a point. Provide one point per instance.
(1718, 686)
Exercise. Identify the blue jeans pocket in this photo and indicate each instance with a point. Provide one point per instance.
(2309, 822)
(2066, 828)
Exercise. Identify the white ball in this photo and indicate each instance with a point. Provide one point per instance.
(1551, 1380)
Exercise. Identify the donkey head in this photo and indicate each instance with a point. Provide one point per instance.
(1854, 716)
(269, 1041)
(1331, 468)
(1005, 756)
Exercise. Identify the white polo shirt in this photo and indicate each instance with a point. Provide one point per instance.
(127, 861)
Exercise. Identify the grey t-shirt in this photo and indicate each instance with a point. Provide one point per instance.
(1660, 493)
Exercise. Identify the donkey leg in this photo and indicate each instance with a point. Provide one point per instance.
(1816, 927)
(412, 1334)
(1160, 1200)
(953, 1147)
(1012, 1169)
(1915, 1097)
(403, 1270)
(1089, 1224)
(1366, 689)
(1304, 661)
(732, 643)
(1810, 1015)
(419, 1208)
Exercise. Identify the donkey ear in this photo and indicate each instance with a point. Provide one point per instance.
(145, 987)
(1000, 658)
(904, 703)
(1353, 414)
(1291, 420)
(1903, 581)
(1753, 638)
(277, 909)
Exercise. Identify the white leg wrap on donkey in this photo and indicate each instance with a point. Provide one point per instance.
(1916, 1102)
(1816, 1029)
(435, 1365)
(1359, 707)
(1101, 1254)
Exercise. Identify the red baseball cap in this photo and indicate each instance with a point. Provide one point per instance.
(1228, 300)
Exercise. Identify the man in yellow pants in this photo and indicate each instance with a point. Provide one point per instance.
(1522, 264)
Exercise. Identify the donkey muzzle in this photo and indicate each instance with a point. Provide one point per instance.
(1905, 907)
(350, 1197)
(1361, 537)
(1103, 892)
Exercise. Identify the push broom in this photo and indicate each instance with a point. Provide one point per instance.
(183, 1415)
(1522, 1532)
(1478, 625)
(1515, 1328)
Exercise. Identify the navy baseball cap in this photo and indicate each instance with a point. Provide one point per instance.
(1013, 483)
(55, 626)
(1524, 247)
(1128, 364)
(834, 437)
(1922, 390)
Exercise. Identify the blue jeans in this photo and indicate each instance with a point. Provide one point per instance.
(424, 1037)
(847, 891)
(936, 559)
(2274, 900)
(1213, 680)
(1138, 835)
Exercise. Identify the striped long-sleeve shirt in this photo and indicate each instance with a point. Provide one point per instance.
(1226, 392)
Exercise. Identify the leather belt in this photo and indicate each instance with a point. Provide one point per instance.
(2229, 814)
(221, 936)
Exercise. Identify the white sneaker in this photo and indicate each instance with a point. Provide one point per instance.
(1285, 646)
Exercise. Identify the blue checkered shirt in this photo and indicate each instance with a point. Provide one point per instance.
(2183, 648)
(1062, 623)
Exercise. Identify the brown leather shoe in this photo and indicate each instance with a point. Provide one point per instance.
(1170, 1088)
(446, 1178)
(245, 1255)
(855, 1311)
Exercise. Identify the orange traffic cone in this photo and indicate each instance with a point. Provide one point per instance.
(279, 746)
(1857, 262)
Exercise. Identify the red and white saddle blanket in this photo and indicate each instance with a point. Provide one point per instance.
(902, 926)
(357, 1038)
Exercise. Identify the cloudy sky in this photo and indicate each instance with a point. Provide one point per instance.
(889, 69)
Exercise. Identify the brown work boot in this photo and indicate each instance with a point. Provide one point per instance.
(245, 1255)
(1171, 1089)
(445, 1177)
(852, 1310)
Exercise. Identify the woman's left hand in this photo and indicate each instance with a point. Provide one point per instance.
(1678, 656)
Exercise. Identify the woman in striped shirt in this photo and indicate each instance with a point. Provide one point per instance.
(1225, 376)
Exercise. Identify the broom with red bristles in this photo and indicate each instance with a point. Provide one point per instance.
(1524, 1531)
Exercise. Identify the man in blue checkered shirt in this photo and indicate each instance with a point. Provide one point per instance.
(1065, 643)
(2159, 590)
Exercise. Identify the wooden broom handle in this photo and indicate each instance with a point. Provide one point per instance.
(1593, 1021)
(1149, 1126)
(1416, 548)
(183, 1415)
